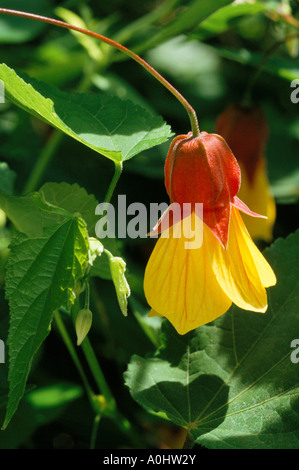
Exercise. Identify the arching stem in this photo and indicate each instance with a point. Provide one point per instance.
(120, 47)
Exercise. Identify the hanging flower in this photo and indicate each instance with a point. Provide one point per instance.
(192, 287)
(246, 132)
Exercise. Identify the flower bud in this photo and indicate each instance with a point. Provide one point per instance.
(83, 324)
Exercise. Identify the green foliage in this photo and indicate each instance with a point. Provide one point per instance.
(231, 383)
(73, 199)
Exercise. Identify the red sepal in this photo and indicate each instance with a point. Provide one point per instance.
(243, 208)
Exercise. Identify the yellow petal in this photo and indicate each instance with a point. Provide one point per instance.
(241, 270)
(179, 283)
(258, 197)
(264, 269)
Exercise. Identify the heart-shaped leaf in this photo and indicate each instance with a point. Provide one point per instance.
(232, 383)
(112, 127)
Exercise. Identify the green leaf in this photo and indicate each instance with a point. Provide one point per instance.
(29, 214)
(40, 278)
(114, 128)
(4, 366)
(225, 18)
(51, 205)
(185, 20)
(91, 45)
(53, 396)
(232, 382)
(74, 199)
(284, 68)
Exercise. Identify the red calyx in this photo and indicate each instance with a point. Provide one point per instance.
(204, 170)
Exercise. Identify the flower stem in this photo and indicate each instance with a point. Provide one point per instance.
(110, 407)
(123, 424)
(97, 373)
(94, 432)
(190, 111)
(69, 345)
(94, 365)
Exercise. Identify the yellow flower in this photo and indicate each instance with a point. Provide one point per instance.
(192, 287)
(246, 131)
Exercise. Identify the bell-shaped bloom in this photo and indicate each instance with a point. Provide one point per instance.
(194, 286)
(246, 131)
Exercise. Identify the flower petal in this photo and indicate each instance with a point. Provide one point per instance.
(265, 271)
(258, 196)
(241, 270)
(179, 283)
